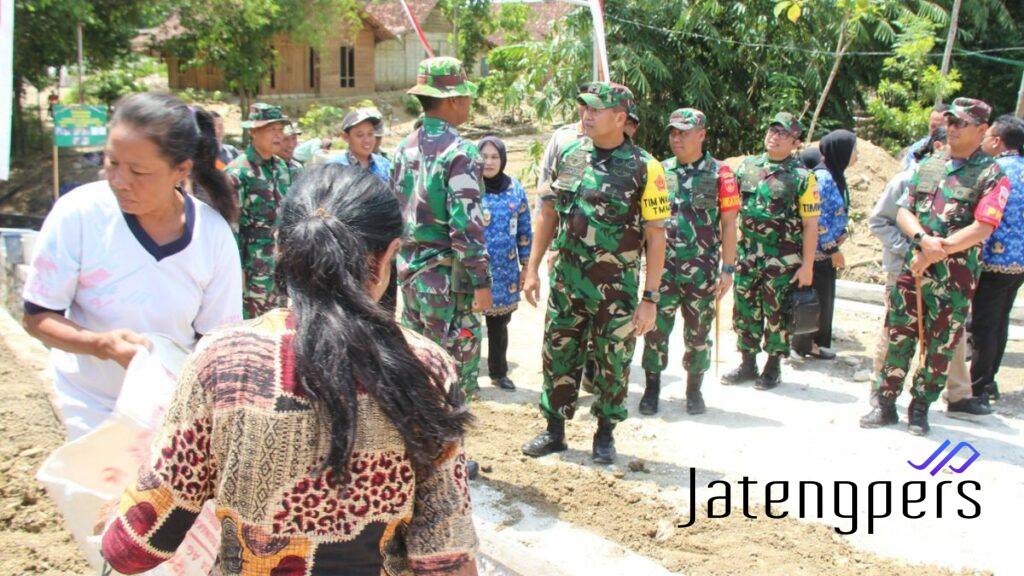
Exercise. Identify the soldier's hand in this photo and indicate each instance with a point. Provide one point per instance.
(919, 264)
(482, 299)
(804, 276)
(643, 318)
(531, 286)
(932, 248)
(724, 284)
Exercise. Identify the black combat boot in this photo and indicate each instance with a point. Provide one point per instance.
(604, 442)
(917, 417)
(649, 402)
(883, 413)
(472, 469)
(694, 399)
(549, 441)
(771, 375)
(746, 371)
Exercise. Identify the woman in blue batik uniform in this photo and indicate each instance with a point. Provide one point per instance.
(839, 152)
(508, 236)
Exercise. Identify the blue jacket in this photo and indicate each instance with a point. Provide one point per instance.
(379, 165)
(1004, 250)
(508, 236)
(832, 222)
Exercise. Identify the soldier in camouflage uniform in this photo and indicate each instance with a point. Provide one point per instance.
(779, 234)
(705, 199)
(607, 201)
(442, 261)
(954, 202)
(262, 180)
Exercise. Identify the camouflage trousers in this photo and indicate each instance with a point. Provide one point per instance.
(690, 288)
(946, 292)
(572, 321)
(759, 300)
(448, 320)
(259, 293)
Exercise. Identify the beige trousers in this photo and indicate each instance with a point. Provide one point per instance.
(958, 386)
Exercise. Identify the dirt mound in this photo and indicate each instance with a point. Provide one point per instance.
(867, 178)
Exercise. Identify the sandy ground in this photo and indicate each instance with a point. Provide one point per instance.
(33, 539)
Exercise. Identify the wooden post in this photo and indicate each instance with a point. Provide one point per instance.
(954, 18)
(81, 87)
(56, 170)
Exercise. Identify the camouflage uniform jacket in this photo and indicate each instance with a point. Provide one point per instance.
(698, 194)
(437, 177)
(262, 185)
(603, 202)
(776, 197)
(948, 196)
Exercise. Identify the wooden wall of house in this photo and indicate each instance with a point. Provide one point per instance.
(397, 59)
(365, 63)
(206, 78)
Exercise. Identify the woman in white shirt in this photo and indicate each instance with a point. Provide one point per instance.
(131, 255)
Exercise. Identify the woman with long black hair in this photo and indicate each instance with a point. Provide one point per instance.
(323, 431)
(133, 254)
(838, 152)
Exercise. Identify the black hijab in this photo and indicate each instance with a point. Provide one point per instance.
(837, 149)
(500, 182)
(811, 157)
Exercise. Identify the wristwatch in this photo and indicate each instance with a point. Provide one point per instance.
(916, 240)
(652, 296)
(728, 268)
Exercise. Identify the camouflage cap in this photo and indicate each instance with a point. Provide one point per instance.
(360, 115)
(970, 110)
(789, 122)
(687, 119)
(261, 114)
(603, 95)
(442, 77)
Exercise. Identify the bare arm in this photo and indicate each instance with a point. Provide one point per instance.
(728, 227)
(805, 275)
(56, 331)
(543, 234)
(967, 237)
(654, 241)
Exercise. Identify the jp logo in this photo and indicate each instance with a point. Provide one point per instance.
(949, 457)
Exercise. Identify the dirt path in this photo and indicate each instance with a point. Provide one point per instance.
(33, 539)
(621, 509)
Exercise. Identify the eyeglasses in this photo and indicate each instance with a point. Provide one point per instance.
(954, 122)
(779, 131)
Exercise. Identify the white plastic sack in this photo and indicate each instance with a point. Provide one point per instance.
(87, 476)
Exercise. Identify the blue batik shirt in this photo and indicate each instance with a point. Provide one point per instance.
(508, 236)
(1004, 250)
(379, 166)
(832, 221)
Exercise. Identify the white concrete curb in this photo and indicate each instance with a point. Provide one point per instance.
(875, 294)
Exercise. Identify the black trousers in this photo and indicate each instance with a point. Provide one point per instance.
(497, 345)
(990, 324)
(824, 284)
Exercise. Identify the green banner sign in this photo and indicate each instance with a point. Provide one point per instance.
(79, 126)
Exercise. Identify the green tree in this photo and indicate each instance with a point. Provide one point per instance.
(237, 36)
(738, 62)
(471, 24)
(45, 37)
(910, 83)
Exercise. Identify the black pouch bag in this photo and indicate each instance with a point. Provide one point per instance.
(803, 309)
